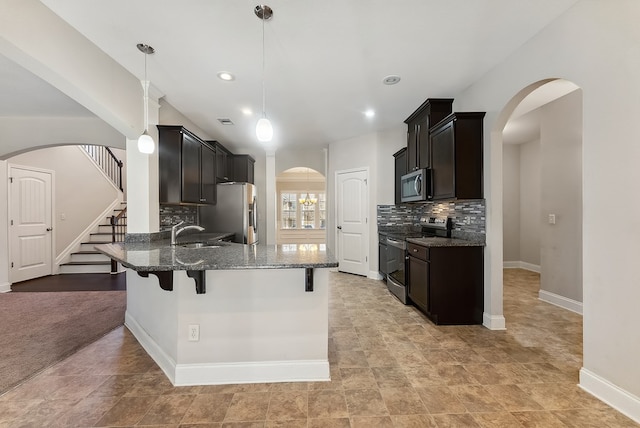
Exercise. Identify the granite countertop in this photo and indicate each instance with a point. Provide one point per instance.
(445, 242)
(161, 256)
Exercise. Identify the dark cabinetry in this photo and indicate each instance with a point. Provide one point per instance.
(224, 163)
(418, 124)
(446, 283)
(243, 166)
(400, 161)
(456, 157)
(186, 167)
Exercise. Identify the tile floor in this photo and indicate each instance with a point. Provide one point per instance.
(390, 367)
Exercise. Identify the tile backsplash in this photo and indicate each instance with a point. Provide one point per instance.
(468, 216)
(174, 214)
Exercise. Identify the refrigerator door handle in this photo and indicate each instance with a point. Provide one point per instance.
(254, 215)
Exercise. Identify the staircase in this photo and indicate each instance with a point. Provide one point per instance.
(87, 259)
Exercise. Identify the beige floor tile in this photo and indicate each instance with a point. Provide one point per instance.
(413, 421)
(464, 420)
(496, 420)
(365, 402)
(327, 404)
(248, 406)
(403, 401)
(207, 408)
(286, 406)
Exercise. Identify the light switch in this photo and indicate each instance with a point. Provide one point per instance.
(552, 219)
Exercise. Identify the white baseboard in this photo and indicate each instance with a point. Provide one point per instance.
(621, 400)
(5, 288)
(251, 372)
(494, 322)
(164, 361)
(561, 301)
(521, 265)
(229, 373)
(374, 275)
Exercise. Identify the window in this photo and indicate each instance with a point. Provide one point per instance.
(294, 215)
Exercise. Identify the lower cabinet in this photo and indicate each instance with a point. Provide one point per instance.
(446, 283)
(382, 256)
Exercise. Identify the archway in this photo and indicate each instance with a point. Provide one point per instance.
(528, 99)
(302, 206)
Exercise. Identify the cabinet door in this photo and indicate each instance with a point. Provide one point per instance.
(190, 169)
(169, 165)
(418, 282)
(221, 164)
(400, 159)
(443, 162)
(382, 260)
(424, 157)
(207, 175)
(412, 146)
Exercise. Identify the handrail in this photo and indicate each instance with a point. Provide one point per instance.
(107, 161)
(118, 230)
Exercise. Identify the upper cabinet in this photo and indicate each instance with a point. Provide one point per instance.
(186, 167)
(400, 161)
(243, 167)
(224, 163)
(456, 157)
(432, 111)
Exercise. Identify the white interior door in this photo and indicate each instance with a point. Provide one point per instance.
(351, 221)
(30, 223)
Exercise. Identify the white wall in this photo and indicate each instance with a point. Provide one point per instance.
(561, 187)
(81, 191)
(511, 201)
(530, 200)
(595, 45)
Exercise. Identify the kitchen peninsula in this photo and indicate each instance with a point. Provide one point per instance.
(217, 312)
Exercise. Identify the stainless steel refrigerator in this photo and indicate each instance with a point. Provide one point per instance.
(236, 211)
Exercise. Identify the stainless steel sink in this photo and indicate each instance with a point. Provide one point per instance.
(200, 245)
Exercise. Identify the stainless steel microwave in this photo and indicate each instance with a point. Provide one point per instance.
(415, 186)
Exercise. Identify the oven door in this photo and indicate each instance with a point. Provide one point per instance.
(396, 268)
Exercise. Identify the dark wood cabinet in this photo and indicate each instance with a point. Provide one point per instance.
(432, 111)
(243, 168)
(456, 157)
(224, 162)
(400, 161)
(186, 167)
(446, 283)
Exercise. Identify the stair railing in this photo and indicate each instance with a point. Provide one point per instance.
(118, 231)
(107, 161)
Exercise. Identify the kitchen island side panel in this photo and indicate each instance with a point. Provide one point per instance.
(257, 325)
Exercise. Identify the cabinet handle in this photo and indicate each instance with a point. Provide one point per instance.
(415, 251)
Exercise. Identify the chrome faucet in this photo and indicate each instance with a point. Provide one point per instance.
(175, 231)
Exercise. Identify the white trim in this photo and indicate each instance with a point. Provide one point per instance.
(616, 397)
(252, 372)
(494, 322)
(5, 288)
(228, 373)
(561, 301)
(164, 361)
(85, 234)
(521, 265)
(374, 274)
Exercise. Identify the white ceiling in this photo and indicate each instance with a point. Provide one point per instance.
(325, 61)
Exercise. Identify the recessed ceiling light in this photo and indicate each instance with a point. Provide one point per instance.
(225, 75)
(225, 121)
(369, 113)
(391, 80)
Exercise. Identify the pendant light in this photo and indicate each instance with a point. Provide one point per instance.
(306, 201)
(264, 129)
(145, 142)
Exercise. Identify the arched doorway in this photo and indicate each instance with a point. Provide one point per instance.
(301, 206)
(553, 108)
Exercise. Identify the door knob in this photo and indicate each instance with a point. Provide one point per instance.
(340, 227)
(49, 229)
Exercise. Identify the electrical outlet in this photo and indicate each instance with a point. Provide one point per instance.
(552, 219)
(194, 332)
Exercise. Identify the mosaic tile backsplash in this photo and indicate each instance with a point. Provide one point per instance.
(174, 214)
(468, 216)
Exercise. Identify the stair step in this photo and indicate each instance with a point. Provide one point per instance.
(71, 268)
(88, 256)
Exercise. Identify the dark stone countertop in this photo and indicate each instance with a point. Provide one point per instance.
(445, 242)
(159, 255)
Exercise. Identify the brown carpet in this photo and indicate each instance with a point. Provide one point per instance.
(40, 329)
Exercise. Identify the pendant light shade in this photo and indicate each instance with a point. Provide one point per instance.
(145, 142)
(264, 129)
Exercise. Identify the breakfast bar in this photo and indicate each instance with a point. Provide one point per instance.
(213, 312)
